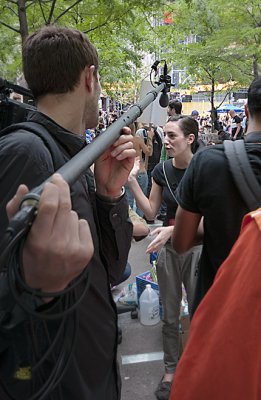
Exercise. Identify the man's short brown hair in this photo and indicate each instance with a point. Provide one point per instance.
(54, 57)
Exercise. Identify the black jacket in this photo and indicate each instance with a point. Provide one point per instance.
(92, 370)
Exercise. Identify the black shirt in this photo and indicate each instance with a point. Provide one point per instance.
(92, 372)
(235, 121)
(174, 176)
(207, 188)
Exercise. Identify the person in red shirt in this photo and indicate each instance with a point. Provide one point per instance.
(222, 359)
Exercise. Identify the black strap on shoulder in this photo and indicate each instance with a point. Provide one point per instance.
(170, 178)
(43, 134)
(242, 172)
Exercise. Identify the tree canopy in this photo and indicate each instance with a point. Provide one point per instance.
(214, 41)
(120, 30)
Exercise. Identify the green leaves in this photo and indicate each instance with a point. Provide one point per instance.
(121, 30)
(208, 38)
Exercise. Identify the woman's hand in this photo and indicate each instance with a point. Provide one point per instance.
(162, 235)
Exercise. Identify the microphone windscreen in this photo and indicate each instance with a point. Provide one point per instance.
(164, 100)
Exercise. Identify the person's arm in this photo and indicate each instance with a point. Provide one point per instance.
(188, 231)
(149, 206)
(163, 235)
(146, 148)
(140, 226)
(140, 230)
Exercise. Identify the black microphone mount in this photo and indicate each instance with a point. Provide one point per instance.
(164, 78)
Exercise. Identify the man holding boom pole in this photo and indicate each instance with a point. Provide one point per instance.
(58, 335)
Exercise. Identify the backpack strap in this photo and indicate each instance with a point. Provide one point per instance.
(43, 134)
(244, 177)
(169, 176)
(52, 146)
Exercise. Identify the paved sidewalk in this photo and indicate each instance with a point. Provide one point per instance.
(140, 353)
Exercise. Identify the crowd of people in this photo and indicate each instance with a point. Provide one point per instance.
(58, 326)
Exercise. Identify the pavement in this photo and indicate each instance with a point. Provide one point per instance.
(140, 352)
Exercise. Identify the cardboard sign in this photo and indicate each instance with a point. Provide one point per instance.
(154, 113)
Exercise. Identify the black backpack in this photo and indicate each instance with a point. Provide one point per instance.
(243, 175)
(56, 154)
(43, 134)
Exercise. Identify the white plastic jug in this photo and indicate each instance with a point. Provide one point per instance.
(149, 306)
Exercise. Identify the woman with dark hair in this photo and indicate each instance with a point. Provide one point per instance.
(181, 133)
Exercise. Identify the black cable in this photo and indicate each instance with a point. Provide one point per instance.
(65, 337)
(60, 367)
(151, 82)
(14, 277)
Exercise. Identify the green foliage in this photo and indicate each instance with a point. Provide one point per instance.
(119, 29)
(215, 42)
(228, 38)
(228, 46)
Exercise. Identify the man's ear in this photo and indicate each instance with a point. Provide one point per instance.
(191, 138)
(89, 77)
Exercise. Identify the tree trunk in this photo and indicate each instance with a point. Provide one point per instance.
(213, 114)
(22, 19)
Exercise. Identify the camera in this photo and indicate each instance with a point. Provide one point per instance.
(12, 109)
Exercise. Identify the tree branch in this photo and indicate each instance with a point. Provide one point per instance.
(65, 11)
(10, 27)
(42, 11)
(29, 5)
(99, 26)
(51, 12)
(108, 21)
(13, 11)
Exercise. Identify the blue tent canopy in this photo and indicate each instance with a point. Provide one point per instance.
(226, 107)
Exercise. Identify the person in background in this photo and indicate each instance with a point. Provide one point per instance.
(236, 128)
(174, 108)
(222, 135)
(140, 226)
(157, 136)
(140, 231)
(16, 96)
(143, 151)
(244, 124)
(208, 190)
(59, 332)
(194, 114)
(90, 135)
(172, 269)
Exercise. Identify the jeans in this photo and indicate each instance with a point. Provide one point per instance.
(142, 179)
